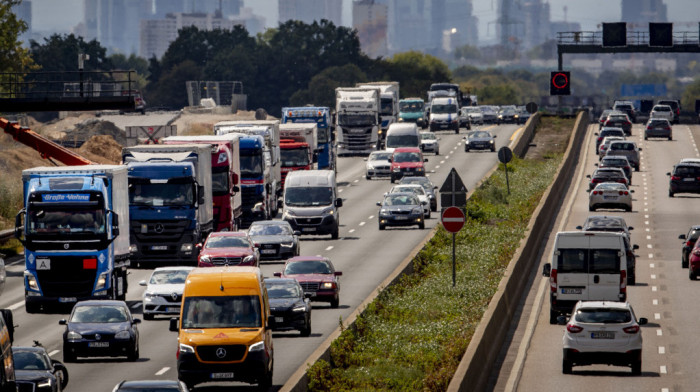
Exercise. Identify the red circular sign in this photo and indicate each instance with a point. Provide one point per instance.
(453, 219)
(559, 80)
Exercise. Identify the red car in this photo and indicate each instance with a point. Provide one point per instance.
(317, 277)
(407, 162)
(228, 248)
(694, 262)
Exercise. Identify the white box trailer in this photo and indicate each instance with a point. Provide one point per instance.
(301, 132)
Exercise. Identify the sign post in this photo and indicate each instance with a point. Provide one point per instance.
(505, 155)
(453, 200)
(453, 220)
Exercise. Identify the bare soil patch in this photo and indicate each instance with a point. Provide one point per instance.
(551, 137)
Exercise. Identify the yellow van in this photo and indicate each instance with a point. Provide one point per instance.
(223, 327)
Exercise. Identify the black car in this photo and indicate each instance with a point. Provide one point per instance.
(289, 308)
(274, 239)
(479, 140)
(688, 244)
(400, 209)
(100, 328)
(427, 185)
(684, 178)
(36, 371)
(151, 386)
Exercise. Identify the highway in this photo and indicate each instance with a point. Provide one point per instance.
(663, 292)
(363, 254)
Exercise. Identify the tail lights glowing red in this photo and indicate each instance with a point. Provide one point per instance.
(632, 329)
(573, 328)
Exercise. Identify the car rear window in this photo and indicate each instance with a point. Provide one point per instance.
(612, 132)
(662, 109)
(598, 261)
(694, 234)
(686, 171)
(603, 315)
(621, 146)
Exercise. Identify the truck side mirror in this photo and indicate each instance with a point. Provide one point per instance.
(19, 233)
(547, 270)
(9, 323)
(174, 321)
(280, 203)
(236, 189)
(338, 202)
(200, 194)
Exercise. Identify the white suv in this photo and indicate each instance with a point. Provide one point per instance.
(601, 332)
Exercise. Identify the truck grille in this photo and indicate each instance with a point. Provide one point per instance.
(232, 352)
(226, 260)
(357, 139)
(250, 197)
(310, 286)
(158, 232)
(67, 277)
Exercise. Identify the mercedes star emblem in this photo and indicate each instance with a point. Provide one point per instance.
(98, 336)
(159, 228)
(173, 296)
(220, 352)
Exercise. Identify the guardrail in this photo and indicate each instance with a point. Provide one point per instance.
(6, 235)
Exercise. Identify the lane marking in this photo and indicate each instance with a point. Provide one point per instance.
(517, 131)
(653, 276)
(648, 237)
(351, 231)
(662, 370)
(659, 332)
(54, 352)
(362, 223)
(651, 265)
(16, 306)
(371, 217)
(657, 316)
(655, 301)
(136, 305)
(662, 350)
(329, 248)
(162, 371)
(340, 190)
(356, 181)
(651, 255)
(649, 246)
(654, 288)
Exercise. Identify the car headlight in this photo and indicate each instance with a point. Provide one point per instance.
(133, 248)
(327, 285)
(328, 211)
(289, 245)
(46, 383)
(491, 141)
(248, 259)
(419, 169)
(259, 346)
(148, 296)
(300, 308)
(73, 335)
(383, 211)
(122, 335)
(186, 349)
(288, 213)
(205, 259)
(417, 210)
(420, 119)
(396, 169)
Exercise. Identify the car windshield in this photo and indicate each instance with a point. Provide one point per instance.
(354, 120)
(617, 118)
(169, 277)
(240, 311)
(411, 107)
(400, 200)
(479, 134)
(308, 267)
(269, 230)
(52, 220)
(380, 156)
(428, 136)
(308, 196)
(219, 181)
(282, 290)
(612, 132)
(401, 157)
(603, 316)
(226, 242)
(30, 360)
(446, 108)
(605, 224)
(394, 141)
(415, 189)
(99, 314)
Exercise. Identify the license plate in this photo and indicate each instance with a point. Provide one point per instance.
(689, 179)
(401, 217)
(603, 335)
(67, 299)
(279, 319)
(172, 309)
(98, 344)
(571, 291)
(268, 251)
(308, 229)
(222, 375)
(609, 197)
(159, 247)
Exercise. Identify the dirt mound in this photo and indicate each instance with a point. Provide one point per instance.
(102, 149)
(93, 126)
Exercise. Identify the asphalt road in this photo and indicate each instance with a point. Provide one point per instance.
(363, 254)
(663, 292)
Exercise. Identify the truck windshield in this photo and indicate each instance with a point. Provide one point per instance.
(294, 157)
(395, 141)
(307, 196)
(323, 136)
(443, 109)
(387, 108)
(240, 311)
(349, 120)
(411, 107)
(62, 220)
(251, 166)
(219, 180)
(161, 194)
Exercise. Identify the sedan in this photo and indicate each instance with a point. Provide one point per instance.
(100, 328)
(317, 277)
(474, 113)
(289, 307)
(610, 195)
(151, 386)
(602, 333)
(378, 164)
(427, 186)
(36, 371)
(419, 191)
(619, 161)
(274, 239)
(429, 142)
(479, 140)
(400, 209)
(609, 174)
(163, 293)
(688, 244)
(228, 248)
(619, 120)
(658, 127)
(464, 119)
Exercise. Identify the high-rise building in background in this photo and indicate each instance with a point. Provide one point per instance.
(522, 25)
(309, 11)
(115, 23)
(228, 7)
(23, 11)
(370, 20)
(638, 13)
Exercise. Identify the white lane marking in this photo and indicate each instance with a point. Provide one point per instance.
(659, 332)
(654, 288)
(649, 246)
(162, 371)
(136, 305)
(646, 204)
(651, 265)
(340, 190)
(442, 161)
(351, 231)
(16, 306)
(362, 223)
(657, 316)
(646, 216)
(329, 248)
(644, 174)
(646, 222)
(655, 301)
(651, 255)
(437, 167)
(371, 217)
(664, 390)
(54, 352)
(647, 229)
(662, 350)
(653, 276)
(648, 237)
(356, 181)
(646, 210)
(662, 370)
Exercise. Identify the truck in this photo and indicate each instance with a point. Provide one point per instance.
(257, 189)
(389, 106)
(413, 110)
(449, 90)
(170, 201)
(357, 120)
(225, 176)
(295, 156)
(319, 115)
(75, 230)
(302, 133)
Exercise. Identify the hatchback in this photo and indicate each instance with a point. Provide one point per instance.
(658, 127)
(688, 243)
(317, 277)
(429, 142)
(609, 174)
(603, 148)
(407, 161)
(675, 106)
(619, 120)
(662, 112)
(607, 131)
(617, 161)
(601, 332)
(36, 371)
(610, 195)
(603, 116)
(289, 307)
(685, 178)
(626, 148)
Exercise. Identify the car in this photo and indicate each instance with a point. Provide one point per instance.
(163, 293)
(464, 119)
(617, 161)
(36, 371)
(423, 197)
(606, 143)
(603, 116)
(506, 116)
(521, 115)
(688, 243)
(289, 307)
(429, 142)
(684, 178)
(427, 185)
(489, 114)
(662, 112)
(610, 195)
(100, 328)
(407, 161)
(317, 277)
(616, 224)
(658, 127)
(627, 148)
(602, 332)
(607, 131)
(694, 262)
(675, 106)
(626, 107)
(479, 140)
(151, 386)
(228, 248)
(378, 164)
(608, 174)
(400, 209)
(274, 239)
(619, 120)
(476, 117)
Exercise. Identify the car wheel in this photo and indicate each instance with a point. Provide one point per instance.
(553, 316)
(628, 208)
(493, 149)
(134, 354)
(428, 214)
(646, 138)
(591, 208)
(670, 138)
(566, 366)
(632, 279)
(381, 227)
(670, 194)
(265, 382)
(392, 179)
(684, 262)
(368, 177)
(637, 367)
(421, 225)
(148, 316)
(306, 331)
(466, 149)
(636, 168)
(437, 152)
(68, 356)
(433, 208)
(335, 235)
(692, 274)
(335, 302)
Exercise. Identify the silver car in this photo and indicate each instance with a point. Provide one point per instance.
(658, 127)
(429, 142)
(163, 293)
(627, 148)
(662, 111)
(419, 191)
(610, 195)
(378, 164)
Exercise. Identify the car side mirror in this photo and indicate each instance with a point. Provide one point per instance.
(425, 203)
(142, 283)
(595, 164)
(642, 321)
(62, 322)
(379, 203)
(640, 149)
(277, 274)
(547, 270)
(561, 320)
(337, 273)
(198, 246)
(668, 174)
(495, 136)
(630, 227)
(308, 295)
(136, 321)
(338, 202)
(425, 159)
(596, 133)
(631, 190)
(435, 187)
(635, 247)
(681, 237)
(588, 176)
(174, 324)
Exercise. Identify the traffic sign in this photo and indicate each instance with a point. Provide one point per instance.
(531, 107)
(560, 83)
(453, 192)
(453, 219)
(505, 154)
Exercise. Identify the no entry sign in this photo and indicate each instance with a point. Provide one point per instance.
(453, 219)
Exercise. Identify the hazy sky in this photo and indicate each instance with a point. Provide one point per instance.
(62, 15)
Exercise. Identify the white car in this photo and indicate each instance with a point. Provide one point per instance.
(429, 142)
(378, 164)
(662, 111)
(474, 113)
(603, 148)
(610, 195)
(419, 191)
(602, 332)
(163, 293)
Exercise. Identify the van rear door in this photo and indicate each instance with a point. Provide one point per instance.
(605, 266)
(572, 272)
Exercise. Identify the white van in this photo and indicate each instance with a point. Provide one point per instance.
(586, 266)
(402, 135)
(444, 114)
(311, 203)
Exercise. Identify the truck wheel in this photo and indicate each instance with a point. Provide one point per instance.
(31, 308)
(553, 316)
(148, 316)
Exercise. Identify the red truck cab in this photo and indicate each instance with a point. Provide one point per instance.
(407, 161)
(294, 155)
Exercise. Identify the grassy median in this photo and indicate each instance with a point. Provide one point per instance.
(413, 336)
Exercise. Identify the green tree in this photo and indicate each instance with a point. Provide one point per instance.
(172, 94)
(60, 53)
(13, 57)
(691, 93)
(132, 63)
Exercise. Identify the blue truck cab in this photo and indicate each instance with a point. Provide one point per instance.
(319, 115)
(75, 230)
(256, 183)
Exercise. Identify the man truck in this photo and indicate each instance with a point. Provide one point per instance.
(357, 119)
(321, 117)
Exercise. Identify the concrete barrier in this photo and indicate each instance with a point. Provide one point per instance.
(475, 368)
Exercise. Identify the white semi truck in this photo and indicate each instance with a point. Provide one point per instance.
(357, 121)
(389, 106)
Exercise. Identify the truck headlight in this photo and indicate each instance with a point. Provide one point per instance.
(71, 335)
(383, 211)
(101, 282)
(147, 296)
(31, 281)
(133, 248)
(259, 346)
(288, 214)
(419, 169)
(396, 169)
(420, 119)
(122, 335)
(328, 211)
(258, 207)
(186, 248)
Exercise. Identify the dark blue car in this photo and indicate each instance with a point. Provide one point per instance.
(289, 308)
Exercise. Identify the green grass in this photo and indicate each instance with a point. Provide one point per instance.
(413, 336)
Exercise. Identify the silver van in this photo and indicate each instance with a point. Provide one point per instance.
(311, 203)
(586, 266)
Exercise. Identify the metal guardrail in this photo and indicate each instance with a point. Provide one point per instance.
(6, 235)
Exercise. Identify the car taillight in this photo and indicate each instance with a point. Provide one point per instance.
(667, 128)
(631, 330)
(627, 123)
(595, 192)
(600, 139)
(689, 243)
(675, 178)
(608, 122)
(623, 282)
(573, 328)
(696, 252)
(628, 168)
(553, 280)
(649, 127)
(595, 180)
